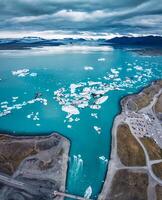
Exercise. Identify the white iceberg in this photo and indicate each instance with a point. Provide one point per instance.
(98, 129)
(139, 68)
(101, 100)
(95, 107)
(101, 59)
(21, 72)
(90, 83)
(72, 110)
(88, 68)
(69, 126)
(94, 115)
(73, 86)
(33, 74)
(103, 158)
(114, 71)
(88, 192)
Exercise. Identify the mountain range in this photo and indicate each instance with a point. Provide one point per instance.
(28, 42)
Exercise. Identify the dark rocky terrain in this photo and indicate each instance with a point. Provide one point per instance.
(31, 168)
(135, 167)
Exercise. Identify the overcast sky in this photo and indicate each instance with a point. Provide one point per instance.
(96, 16)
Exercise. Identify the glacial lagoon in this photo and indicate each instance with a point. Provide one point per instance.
(76, 92)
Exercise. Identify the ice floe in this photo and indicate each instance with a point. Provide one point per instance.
(69, 126)
(33, 74)
(88, 192)
(70, 110)
(95, 107)
(88, 68)
(114, 71)
(97, 129)
(23, 72)
(6, 109)
(94, 115)
(101, 59)
(33, 116)
(138, 68)
(103, 158)
(101, 100)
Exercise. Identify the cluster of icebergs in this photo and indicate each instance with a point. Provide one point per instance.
(80, 96)
(23, 73)
(76, 97)
(6, 109)
(34, 117)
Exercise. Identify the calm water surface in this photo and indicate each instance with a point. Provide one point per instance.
(29, 97)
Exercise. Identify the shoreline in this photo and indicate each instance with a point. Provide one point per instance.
(40, 163)
(115, 165)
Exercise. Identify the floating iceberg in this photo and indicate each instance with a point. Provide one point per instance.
(73, 86)
(90, 83)
(69, 126)
(94, 115)
(114, 71)
(33, 74)
(138, 68)
(70, 110)
(88, 68)
(7, 109)
(95, 107)
(103, 158)
(101, 100)
(101, 59)
(88, 192)
(98, 129)
(21, 72)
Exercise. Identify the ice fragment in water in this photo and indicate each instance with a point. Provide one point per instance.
(88, 68)
(98, 129)
(88, 192)
(21, 72)
(95, 107)
(103, 158)
(101, 59)
(101, 100)
(72, 110)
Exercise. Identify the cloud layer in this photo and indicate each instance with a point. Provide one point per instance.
(109, 16)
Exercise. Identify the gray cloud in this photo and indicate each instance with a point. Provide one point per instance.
(122, 16)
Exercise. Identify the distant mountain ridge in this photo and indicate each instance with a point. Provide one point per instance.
(144, 41)
(28, 42)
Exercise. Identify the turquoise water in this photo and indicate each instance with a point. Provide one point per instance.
(121, 71)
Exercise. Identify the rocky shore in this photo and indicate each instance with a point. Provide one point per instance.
(135, 167)
(32, 167)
